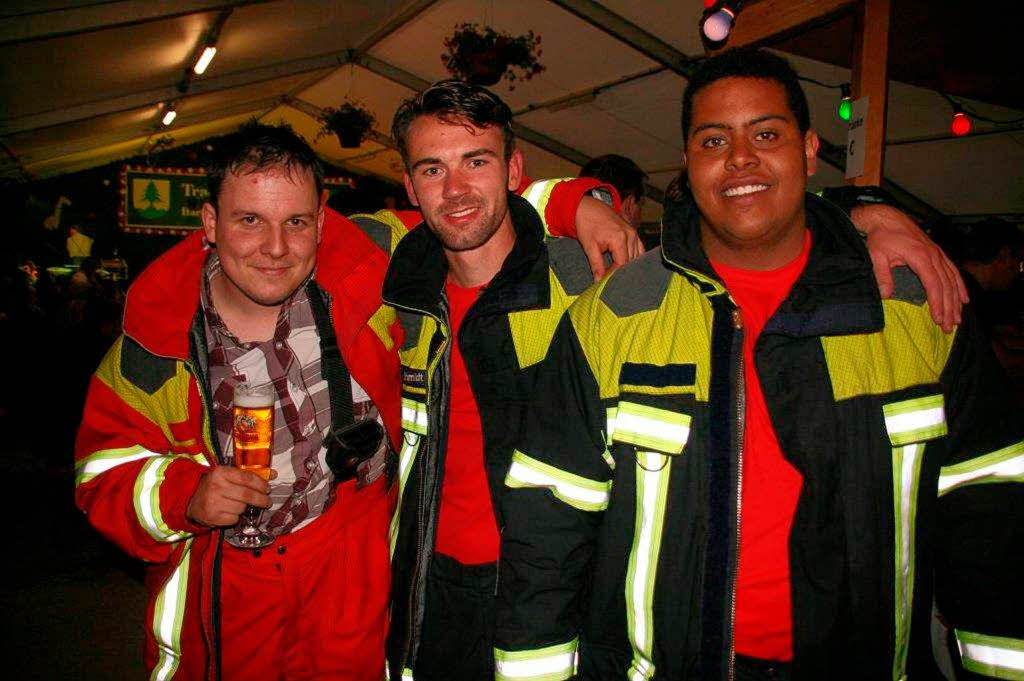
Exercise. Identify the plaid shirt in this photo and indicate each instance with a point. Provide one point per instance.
(290, 360)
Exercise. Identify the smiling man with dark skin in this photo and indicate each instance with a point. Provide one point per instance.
(742, 463)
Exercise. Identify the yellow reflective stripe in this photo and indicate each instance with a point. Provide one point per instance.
(651, 428)
(407, 674)
(147, 500)
(906, 477)
(168, 611)
(410, 445)
(922, 418)
(996, 656)
(652, 477)
(102, 461)
(552, 663)
(1002, 465)
(611, 419)
(414, 416)
(577, 491)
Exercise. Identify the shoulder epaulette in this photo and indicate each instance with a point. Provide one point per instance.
(570, 265)
(638, 287)
(907, 287)
(145, 371)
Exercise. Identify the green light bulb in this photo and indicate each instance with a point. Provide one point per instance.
(844, 108)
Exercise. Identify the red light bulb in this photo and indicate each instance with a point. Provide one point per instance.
(961, 124)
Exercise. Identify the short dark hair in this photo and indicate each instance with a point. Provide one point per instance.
(254, 147)
(453, 101)
(618, 171)
(983, 241)
(747, 62)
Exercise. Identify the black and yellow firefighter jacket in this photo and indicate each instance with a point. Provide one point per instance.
(503, 338)
(622, 521)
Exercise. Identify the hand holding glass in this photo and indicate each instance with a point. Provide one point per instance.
(253, 436)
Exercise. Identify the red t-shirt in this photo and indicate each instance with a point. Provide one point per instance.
(466, 528)
(771, 486)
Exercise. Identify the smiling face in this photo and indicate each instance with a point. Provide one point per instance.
(748, 163)
(266, 227)
(459, 178)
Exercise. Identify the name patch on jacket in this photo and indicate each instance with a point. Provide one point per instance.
(414, 381)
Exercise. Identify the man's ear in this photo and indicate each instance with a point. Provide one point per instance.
(628, 205)
(515, 170)
(811, 144)
(208, 214)
(409, 191)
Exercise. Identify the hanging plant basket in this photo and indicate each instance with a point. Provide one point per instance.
(350, 122)
(483, 56)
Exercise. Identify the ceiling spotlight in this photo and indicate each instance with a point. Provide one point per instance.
(845, 107)
(170, 115)
(204, 59)
(717, 20)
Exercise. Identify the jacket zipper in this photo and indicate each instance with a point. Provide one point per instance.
(421, 528)
(737, 323)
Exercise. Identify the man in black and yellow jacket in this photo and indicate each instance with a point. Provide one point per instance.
(742, 463)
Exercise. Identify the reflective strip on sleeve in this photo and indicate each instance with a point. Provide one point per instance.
(922, 418)
(906, 477)
(651, 428)
(995, 656)
(538, 194)
(410, 445)
(168, 611)
(102, 461)
(414, 416)
(577, 491)
(553, 663)
(652, 477)
(1003, 465)
(147, 500)
(407, 674)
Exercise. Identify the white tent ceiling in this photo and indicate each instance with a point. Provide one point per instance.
(84, 82)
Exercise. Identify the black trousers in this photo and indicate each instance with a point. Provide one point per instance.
(457, 641)
(753, 669)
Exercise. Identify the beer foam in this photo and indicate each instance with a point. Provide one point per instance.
(253, 396)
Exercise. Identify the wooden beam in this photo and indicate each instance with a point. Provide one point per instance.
(770, 20)
(870, 76)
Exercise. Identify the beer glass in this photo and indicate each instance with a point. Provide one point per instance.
(252, 433)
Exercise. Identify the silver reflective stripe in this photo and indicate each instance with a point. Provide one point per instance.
(414, 416)
(552, 663)
(147, 500)
(906, 477)
(995, 656)
(168, 612)
(1003, 465)
(916, 420)
(909, 424)
(651, 428)
(410, 445)
(102, 461)
(407, 674)
(538, 195)
(652, 477)
(577, 491)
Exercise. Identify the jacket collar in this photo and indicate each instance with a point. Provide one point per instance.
(416, 276)
(836, 293)
(163, 301)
